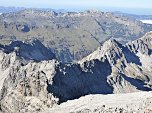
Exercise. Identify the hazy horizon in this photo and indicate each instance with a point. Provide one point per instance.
(129, 6)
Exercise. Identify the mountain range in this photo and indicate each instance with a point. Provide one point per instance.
(70, 35)
(74, 62)
(36, 84)
(133, 16)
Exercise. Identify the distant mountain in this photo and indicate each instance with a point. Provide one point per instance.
(10, 9)
(71, 35)
(29, 86)
(133, 16)
(16, 9)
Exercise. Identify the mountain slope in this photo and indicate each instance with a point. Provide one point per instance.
(71, 35)
(28, 86)
(33, 50)
(134, 16)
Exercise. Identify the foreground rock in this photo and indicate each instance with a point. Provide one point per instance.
(139, 102)
(23, 82)
(29, 85)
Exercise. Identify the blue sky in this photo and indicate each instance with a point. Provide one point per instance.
(80, 4)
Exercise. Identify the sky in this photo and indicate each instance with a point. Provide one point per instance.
(80, 4)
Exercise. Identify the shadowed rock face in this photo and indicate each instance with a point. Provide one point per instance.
(91, 78)
(71, 35)
(33, 50)
(29, 86)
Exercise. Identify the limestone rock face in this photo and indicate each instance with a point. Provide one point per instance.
(23, 81)
(127, 61)
(36, 85)
(142, 45)
(25, 87)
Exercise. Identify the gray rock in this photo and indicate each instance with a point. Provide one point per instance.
(30, 86)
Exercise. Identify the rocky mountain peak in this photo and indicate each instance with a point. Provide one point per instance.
(110, 48)
(37, 12)
(93, 11)
(111, 43)
(142, 45)
(35, 86)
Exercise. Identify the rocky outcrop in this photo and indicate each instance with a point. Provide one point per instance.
(142, 45)
(138, 102)
(127, 63)
(25, 90)
(23, 83)
(37, 85)
(25, 87)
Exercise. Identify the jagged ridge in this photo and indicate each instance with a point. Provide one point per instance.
(113, 68)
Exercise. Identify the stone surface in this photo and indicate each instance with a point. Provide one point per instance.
(139, 102)
(37, 86)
